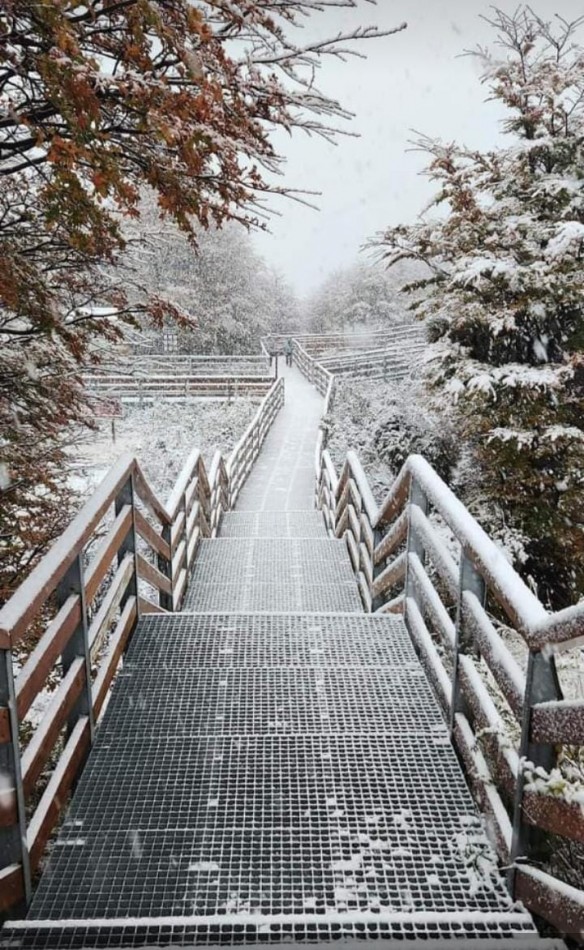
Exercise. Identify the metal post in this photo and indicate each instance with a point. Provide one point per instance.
(126, 497)
(13, 840)
(78, 644)
(469, 580)
(414, 545)
(541, 686)
(165, 566)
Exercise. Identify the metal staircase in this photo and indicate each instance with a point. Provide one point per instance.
(273, 765)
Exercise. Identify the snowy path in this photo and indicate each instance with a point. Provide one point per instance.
(273, 763)
(283, 476)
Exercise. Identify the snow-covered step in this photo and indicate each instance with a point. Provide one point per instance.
(273, 524)
(260, 778)
(264, 574)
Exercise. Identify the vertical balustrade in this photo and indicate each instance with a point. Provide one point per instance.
(541, 685)
(16, 885)
(78, 645)
(129, 545)
(414, 545)
(469, 580)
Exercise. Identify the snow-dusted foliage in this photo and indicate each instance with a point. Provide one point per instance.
(505, 297)
(363, 296)
(384, 424)
(231, 297)
(97, 102)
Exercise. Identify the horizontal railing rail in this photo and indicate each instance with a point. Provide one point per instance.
(154, 387)
(421, 554)
(316, 344)
(190, 364)
(125, 554)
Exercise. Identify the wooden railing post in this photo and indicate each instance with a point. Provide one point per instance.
(541, 686)
(469, 580)
(78, 644)
(13, 840)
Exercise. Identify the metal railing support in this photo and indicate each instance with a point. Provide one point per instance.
(541, 685)
(414, 544)
(472, 581)
(78, 644)
(13, 838)
(129, 545)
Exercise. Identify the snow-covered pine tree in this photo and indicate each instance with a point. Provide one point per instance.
(505, 294)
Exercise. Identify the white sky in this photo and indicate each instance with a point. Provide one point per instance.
(413, 80)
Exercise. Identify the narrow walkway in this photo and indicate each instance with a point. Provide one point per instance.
(273, 764)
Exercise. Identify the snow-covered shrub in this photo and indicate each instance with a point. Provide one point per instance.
(384, 423)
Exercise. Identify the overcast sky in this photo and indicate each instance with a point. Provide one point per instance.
(415, 80)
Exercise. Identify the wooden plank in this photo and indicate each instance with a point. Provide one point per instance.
(151, 536)
(353, 550)
(498, 824)
(428, 653)
(34, 673)
(440, 617)
(192, 546)
(27, 601)
(106, 552)
(502, 664)
(54, 798)
(110, 604)
(396, 499)
(11, 886)
(395, 536)
(179, 589)
(148, 607)
(116, 647)
(177, 530)
(54, 718)
(395, 606)
(153, 576)
(366, 565)
(178, 559)
(354, 523)
(391, 576)
(554, 814)
(176, 499)
(442, 561)
(504, 758)
(364, 591)
(558, 722)
(145, 493)
(367, 535)
(558, 903)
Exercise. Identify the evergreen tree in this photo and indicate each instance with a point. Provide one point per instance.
(505, 294)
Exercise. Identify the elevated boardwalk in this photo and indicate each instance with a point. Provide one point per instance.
(273, 765)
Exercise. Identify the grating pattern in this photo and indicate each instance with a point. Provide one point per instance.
(273, 524)
(207, 641)
(282, 702)
(313, 598)
(258, 574)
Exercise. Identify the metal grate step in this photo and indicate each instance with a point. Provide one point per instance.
(207, 641)
(273, 524)
(259, 574)
(266, 778)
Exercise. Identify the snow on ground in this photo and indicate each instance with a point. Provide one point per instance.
(161, 436)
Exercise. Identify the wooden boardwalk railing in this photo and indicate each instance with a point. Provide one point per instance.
(81, 605)
(456, 609)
